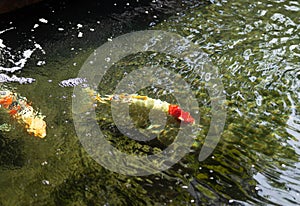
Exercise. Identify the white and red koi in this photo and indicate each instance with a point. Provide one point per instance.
(146, 102)
(20, 110)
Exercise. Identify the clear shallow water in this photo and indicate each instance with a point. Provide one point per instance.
(256, 48)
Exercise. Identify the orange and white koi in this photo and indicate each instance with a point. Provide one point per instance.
(146, 102)
(20, 110)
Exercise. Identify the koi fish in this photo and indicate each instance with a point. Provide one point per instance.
(20, 110)
(146, 102)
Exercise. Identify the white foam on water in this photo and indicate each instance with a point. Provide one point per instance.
(71, 82)
(15, 61)
(5, 30)
(14, 78)
(1, 44)
(19, 63)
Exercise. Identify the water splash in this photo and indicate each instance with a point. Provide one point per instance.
(11, 61)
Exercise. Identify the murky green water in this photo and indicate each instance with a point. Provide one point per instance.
(254, 45)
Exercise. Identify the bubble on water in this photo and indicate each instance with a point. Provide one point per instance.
(258, 98)
(40, 63)
(207, 77)
(45, 182)
(252, 79)
(152, 24)
(42, 20)
(80, 34)
(44, 163)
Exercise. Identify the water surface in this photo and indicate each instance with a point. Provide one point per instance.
(254, 45)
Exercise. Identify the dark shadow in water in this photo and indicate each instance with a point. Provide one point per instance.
(11, 153)
(107, 18)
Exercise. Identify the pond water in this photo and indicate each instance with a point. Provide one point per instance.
(255, 46)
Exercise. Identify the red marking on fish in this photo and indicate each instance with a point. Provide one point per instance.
(177, 112)
(6, 101)
(15, 110)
